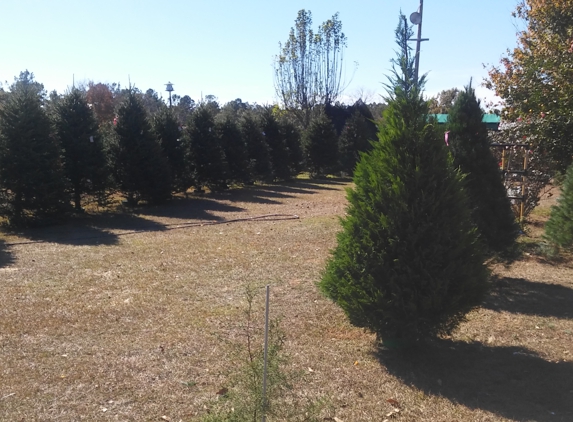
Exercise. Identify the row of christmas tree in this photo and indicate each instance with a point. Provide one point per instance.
(57, 152)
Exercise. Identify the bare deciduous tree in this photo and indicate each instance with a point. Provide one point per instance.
(308, 70)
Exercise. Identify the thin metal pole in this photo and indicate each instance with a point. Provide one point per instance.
(419, 41)
(266, 354)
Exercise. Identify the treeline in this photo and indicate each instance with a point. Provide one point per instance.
(59, 151)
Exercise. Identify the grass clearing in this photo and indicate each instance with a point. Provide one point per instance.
(131, 318)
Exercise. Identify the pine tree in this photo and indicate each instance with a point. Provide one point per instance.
(408, 262)
(32, 182)
(356, 137)
(142, 170)
(206, 157)
(276, 144)
(234, 148)
(559, 228)
(292, 137)
(469, 144)
(170, 134)
(85, 162)
(321, 146)
(257, 148)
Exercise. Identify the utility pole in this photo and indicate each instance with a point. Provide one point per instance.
(416, 19)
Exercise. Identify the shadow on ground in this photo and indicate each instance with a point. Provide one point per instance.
(522, 296)
(89, 230)
(194, 208)
(6, 257)
(273, 193)
(512, 382)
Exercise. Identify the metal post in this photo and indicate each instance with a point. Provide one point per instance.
(523, 185)
(266, 353)
(419, 41)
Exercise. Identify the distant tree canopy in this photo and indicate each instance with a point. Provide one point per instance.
(308, 69)
(443, 102)
(534, 80)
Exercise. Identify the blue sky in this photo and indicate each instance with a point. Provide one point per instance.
(226, 48)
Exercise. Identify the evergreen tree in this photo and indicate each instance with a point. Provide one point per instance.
(206, 158)
(32, 183)
(234, 148)
(142, 170)
(170, 134)
(321, 146)
(468, 139)
(408, 262)
(257, 148)
(356, 137)
(276, 144)
(292, 137)
(559, 228)
(85, 161)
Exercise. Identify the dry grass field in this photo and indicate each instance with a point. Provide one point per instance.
(136, 318)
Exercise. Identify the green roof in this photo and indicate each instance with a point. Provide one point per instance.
(491, 120)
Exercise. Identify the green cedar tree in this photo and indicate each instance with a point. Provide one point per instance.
(408, 263)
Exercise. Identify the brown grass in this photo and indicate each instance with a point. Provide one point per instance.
(133, 318)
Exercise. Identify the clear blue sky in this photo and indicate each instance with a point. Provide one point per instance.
(226, 48)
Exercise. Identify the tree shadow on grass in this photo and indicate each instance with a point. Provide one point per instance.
(512, 382)
(264, 194)
(6, 257)
(103, 229)
(195, 208)
(522, 296)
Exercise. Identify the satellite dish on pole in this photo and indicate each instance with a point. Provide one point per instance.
(416, 18)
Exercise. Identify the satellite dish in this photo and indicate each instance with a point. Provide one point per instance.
(416, 18)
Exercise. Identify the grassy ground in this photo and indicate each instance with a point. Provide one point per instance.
(133, 318)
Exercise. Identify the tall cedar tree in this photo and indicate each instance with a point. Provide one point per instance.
(170, 134)
(205, 154)
(321, 146)
(32, 183)
(142, 169)
(468, 139)
(85, 161)
(559, 228)
(234, 148)
(276, 144)
(292, 137)
(408, 262)
(257, 148)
